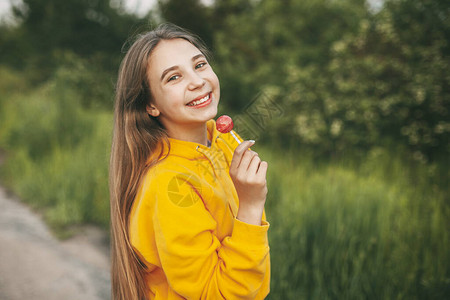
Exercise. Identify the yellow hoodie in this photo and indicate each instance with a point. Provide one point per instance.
(183, 223)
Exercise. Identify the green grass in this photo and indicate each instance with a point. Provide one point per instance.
(57, 155)
(373, 228)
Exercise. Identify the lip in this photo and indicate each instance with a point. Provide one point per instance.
(206, 103)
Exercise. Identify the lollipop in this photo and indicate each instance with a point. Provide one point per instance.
(224, 124)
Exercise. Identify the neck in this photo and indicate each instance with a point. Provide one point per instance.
(195, 133)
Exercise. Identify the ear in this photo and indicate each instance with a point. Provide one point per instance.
(152, 110)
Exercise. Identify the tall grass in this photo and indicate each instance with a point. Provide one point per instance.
(376, 228)
(57, 154)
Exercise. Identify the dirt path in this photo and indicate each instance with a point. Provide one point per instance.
(35, 265)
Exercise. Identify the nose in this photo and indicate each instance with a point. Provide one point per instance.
(196, 81)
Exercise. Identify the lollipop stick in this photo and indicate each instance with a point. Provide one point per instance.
(224, 124)
(235, 137)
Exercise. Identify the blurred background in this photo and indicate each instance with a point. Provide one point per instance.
(349, 101)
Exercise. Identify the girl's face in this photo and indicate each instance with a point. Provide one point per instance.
(184, 87)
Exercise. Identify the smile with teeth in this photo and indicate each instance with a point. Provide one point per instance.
(200, 101)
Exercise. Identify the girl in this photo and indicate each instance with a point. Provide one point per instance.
(186, 202)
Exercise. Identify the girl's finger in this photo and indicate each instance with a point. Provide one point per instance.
(262, 170)
(254, 165)
(246, 159)
(239, 152)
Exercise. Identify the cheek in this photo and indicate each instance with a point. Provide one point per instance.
(215, 81)
(167, 96)
(157, 97)
(217, 89)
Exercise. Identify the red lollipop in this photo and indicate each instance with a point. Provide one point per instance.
(224, 124)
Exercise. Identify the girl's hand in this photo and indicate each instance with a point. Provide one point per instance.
(248, 173)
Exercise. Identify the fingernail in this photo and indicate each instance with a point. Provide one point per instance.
(251, 141)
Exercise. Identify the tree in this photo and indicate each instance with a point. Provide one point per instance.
(391, 79)
(47, 28)
(264, 47)
(347, 78)
(189, 14)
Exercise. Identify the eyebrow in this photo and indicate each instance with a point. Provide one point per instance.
(164, 73)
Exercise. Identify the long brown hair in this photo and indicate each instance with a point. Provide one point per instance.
(136, 137)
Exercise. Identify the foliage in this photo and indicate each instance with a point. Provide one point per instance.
(189, 14)
(388, 82)
(255, 47)
(45, 28)
(93, 85)
(57, 153)
(347, 79)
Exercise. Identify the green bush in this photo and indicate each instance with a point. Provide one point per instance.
(347, 77)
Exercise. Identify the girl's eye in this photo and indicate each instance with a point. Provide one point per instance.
(174, 77)
(198, 66)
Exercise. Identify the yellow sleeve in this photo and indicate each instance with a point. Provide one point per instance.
(196, 263)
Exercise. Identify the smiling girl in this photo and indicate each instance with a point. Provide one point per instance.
(187, 202)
